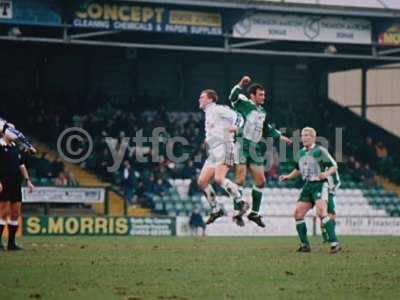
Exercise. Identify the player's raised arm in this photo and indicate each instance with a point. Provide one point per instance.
(238, 91)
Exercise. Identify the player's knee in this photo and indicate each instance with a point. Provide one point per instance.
(320, 211)
(14, 215)
(260, 182)
(239, 180)
(4, 213)
(219, 179)
(298, 214)
(202, 184)
(240, 177)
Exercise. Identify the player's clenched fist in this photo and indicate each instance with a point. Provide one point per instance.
(245, 81)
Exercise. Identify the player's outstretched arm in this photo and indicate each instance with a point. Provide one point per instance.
(295, 173)
(286, 140)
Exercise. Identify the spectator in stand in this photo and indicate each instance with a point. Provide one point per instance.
(195, 222)
(151, 188)
(72, 181)
(381, 151)
(44, 167)
(273, 167)
(161, 187)
(57, 166)
(369, 176)
(194, 187)
(273, 173)
(358, 173)
(103, 162)
(167, 165)
(61, 180)
(189, 170)
(351, 164)
(369, 150)
(128, 182)
(200, 156)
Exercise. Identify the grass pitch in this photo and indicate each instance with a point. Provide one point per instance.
(199, 268)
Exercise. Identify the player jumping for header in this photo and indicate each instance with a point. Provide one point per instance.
(221, 124)
(252, 148)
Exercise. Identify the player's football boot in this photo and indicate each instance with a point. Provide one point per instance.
(256, 218)
(215, 215)
(14, 247)
(304, 248)
(336, 248)
(238, 220)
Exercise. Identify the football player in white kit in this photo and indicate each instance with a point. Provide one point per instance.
(13, 134)
(221, 124)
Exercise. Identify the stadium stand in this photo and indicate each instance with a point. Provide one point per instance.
(169, 189)
(111, 92)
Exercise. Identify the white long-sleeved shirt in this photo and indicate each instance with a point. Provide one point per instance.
(219, 120)
(2, 123)
(13, 133)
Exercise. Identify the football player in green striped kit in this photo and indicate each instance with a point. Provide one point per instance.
(250, 141)
(315, 165)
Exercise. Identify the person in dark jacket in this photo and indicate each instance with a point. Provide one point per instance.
(196, 221)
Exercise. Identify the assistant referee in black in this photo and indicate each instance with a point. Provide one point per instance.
(12, 173)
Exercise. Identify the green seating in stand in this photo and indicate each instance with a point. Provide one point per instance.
(175, 198)
(169, 206)
(172, 213)
(158, 206)
(166, 199)
(45, 182)
(178, 206)
(188, 206)
(195, 199)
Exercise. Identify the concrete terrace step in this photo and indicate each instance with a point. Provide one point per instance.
(388, 185)
(139, 212)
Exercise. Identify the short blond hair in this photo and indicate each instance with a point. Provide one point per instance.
(211, 94)
(311, 130)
